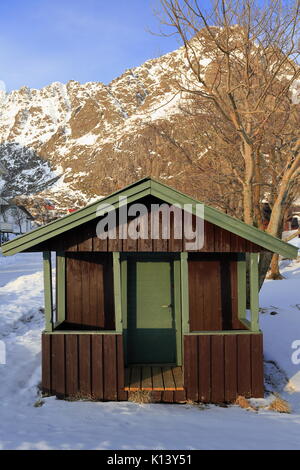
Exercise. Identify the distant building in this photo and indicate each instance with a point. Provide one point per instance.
(14, 219)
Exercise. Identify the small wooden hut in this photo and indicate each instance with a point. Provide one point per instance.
(141, 313)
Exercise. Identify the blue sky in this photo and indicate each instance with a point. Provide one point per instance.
(42, 41)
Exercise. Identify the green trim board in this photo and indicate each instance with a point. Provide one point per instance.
(124, 302)
(68, 222)
(148, 186)
(81, 332)
(60, 288)
(48, 295)
(225, 221)
(246, 323)
(117, 291)
(184, 272)
(241, 283)
(254, 302)
(177, 307)
(223, 333)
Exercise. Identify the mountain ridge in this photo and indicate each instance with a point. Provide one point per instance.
(73, 142)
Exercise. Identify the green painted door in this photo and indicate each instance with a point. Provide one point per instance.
(151, 321)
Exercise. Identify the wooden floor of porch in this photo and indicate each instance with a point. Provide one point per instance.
(153, 378)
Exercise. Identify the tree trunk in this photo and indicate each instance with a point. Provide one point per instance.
(247, 152)
(264, 264)
(275, 273)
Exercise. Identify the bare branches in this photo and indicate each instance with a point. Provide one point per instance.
(243, 63)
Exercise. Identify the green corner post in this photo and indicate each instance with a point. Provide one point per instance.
(117, 291)
(60, 287)
(48, 290)
(254, 302)
(242, 287)
(184, 292)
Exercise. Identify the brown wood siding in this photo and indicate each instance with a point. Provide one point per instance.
(85, 365)
(84, 238)
(205, 295)
(218, 368)
(213, 292)
(89, 291)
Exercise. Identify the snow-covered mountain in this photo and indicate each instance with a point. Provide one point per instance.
(78, 141)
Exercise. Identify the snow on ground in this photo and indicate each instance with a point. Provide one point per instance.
(90, 425)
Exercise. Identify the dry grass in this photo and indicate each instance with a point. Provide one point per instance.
(242, 402)
(279, 405)
(80, 396)
(140, 396)
(38, 403)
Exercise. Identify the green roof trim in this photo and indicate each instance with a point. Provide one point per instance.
(134, 192)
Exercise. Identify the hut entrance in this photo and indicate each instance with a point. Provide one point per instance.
(152, 331)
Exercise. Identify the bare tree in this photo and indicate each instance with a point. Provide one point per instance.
(242, 67)
(19, 217)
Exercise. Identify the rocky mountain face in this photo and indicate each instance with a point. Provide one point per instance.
(71, 143)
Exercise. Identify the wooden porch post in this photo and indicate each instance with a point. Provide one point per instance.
(184, 292)
(60, 287)
(241, 279)
(254, 303)
(48, 290)
(117, 291)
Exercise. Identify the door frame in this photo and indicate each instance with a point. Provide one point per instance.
(176, 265)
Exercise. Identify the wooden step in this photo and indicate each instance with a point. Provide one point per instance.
(158, 378)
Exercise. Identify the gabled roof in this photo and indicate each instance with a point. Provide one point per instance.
(145, 187)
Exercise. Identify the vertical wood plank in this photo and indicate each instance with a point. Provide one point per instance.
(205, 299)
(222, 240)
(58, 365)
(167, 396)
(71, 241)
(85, 313)
(241, 245)
(97, 366)
(72, 384)
(85, 236)
(110, 367)
(209, 237)
(230, 368)
(217, 369)
(85, 365)
(191, 367)
(244, 365)
(46, 363)
(257, 366)
(159, 244)
(122, 394)
(176, 225)
(179, 396)
(115, 244)
(99, 244)
(74, 289)
(204, 368)
(145, 244)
